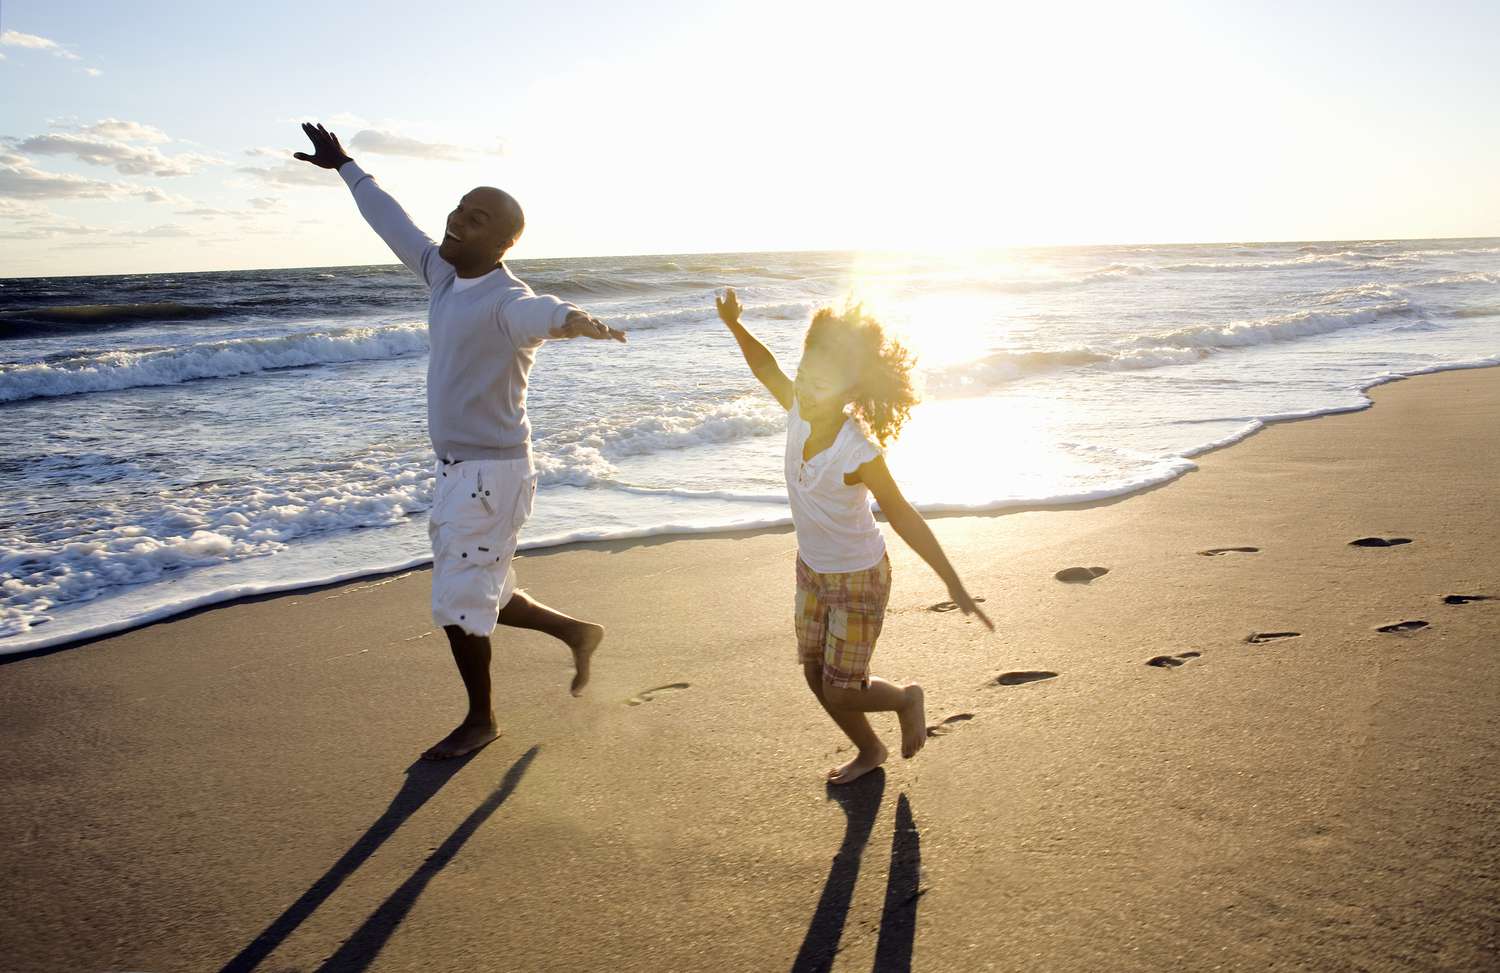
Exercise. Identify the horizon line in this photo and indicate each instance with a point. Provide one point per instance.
(820, 250)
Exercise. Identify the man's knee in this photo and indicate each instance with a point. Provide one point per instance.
(458, 638)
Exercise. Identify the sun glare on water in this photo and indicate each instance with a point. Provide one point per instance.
(970, 441)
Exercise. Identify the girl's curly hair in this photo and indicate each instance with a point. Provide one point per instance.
(883, 394)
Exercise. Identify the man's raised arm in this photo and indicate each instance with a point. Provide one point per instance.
(385, 216)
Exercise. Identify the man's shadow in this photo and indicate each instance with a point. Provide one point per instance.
(860, 802)
(424, 778)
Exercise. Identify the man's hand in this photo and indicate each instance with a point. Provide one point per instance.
(581, 324)
(966, 605)
(327, 153)
(728, 306)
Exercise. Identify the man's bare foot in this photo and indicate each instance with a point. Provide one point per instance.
(913, 721)
(583, 643)
(862, 764)
(466, 739)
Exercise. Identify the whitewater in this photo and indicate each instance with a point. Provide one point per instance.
(169, 441)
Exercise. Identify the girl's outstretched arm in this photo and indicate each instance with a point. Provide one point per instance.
(911, 528)
(762, 363)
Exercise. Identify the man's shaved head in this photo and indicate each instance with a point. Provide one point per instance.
(505, 207)
(483, 226)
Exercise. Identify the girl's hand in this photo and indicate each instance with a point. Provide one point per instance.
(966, 605)
(728, 306)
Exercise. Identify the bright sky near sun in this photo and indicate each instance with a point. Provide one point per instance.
(155, 136)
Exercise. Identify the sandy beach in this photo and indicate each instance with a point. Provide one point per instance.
(237, 789)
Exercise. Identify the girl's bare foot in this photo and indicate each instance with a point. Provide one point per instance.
(467, 738)
(863, 763)
(913, 721)
(584, 640)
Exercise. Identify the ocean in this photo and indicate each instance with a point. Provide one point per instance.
(172, 440)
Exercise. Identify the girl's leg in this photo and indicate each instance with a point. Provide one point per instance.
(871, 752)
(907, 702)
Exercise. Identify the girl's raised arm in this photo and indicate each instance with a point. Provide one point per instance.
(762, 363)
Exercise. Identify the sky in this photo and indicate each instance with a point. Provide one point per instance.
(157, 137)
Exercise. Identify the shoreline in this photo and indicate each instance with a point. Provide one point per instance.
(240, 593)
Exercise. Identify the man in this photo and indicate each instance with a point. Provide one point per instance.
(483, 327)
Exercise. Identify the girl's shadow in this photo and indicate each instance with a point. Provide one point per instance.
(860, 802)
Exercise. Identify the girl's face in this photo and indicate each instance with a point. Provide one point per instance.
(824, 384)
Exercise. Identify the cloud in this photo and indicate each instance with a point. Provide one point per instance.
(39, 223)
(268, 152)
(107, 243)
(92, 72)
(291, 173)
(18, 209)
(19, 179)
(390, 143)
(385, 142)
(164, 230)
(119, 130)
(130, 160)
(260, 206)
(152, 194)
(14, 38)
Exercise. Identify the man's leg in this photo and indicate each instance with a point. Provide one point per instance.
(472, 655)
(581, 637)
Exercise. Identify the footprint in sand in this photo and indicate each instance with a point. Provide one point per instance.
(1022, 678)
(647, 695)
(1402, 628)
(1256, 638)
(1379, 541)
(1172, 661)
(1216, 551)
(948, 606)
(1465, 599)
(1080, 575)
(949, 724)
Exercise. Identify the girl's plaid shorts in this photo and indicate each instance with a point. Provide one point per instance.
(839, 618)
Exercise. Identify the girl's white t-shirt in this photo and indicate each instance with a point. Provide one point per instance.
(836, 530)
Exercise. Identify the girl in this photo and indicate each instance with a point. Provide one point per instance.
(853, 383)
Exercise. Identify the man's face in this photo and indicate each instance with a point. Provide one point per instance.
(479, 229)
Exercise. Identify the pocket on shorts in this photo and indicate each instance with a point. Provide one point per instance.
(525, 501)
(852, 625)
(458, 495)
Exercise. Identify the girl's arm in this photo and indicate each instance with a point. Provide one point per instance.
(762, 363)
(911, 528)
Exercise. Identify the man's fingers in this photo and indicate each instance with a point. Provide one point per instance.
(302, 155)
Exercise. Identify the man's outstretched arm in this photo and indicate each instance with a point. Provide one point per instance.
(384, 214)
(533, 318)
